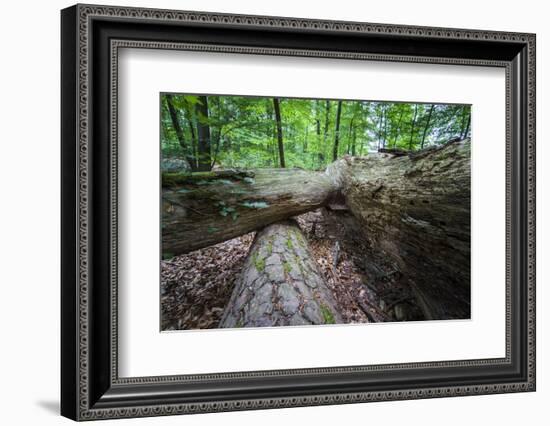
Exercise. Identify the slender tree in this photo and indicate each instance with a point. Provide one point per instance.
(277, 109)
(327, 121)
(398, 127)
(203, 131)
(412, 126)
(350, 133)
(466, 128)
(427, 126)
(337, 132)
(193, 157)
(175, 120)
(379, 126)
(385, 126)
(353, 139)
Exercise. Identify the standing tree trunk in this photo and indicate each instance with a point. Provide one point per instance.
(327, 122)
(412, 126)
(280, 284)
(353, 140)
(175, 121)
(379, 128)
(279, 132)
(351, 130)
(427, 126)
(204, 161)
(318, 132)
(398, 127)
(385, 127)
(337, 132)
(467, 128)
(193, 157)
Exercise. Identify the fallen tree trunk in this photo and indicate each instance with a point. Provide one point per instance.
(202, 209)
(415, 211)
(280, 284)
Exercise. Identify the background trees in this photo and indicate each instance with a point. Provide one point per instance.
(237, 131)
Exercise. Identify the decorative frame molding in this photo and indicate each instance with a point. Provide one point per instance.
(91, 388)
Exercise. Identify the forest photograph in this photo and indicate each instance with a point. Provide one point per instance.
(283, 211)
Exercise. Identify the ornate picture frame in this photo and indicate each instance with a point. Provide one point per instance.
(90, 38)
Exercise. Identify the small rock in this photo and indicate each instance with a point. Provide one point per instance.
(174, 165)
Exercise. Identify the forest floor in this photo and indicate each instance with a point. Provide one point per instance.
(196, 287)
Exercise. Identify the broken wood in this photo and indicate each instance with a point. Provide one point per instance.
(415, 211)
(280, 284)
(202, 209)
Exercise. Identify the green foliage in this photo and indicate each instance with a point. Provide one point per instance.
(243, 131)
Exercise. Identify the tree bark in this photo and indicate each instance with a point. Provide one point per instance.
(280, 284)
(279, 132)
(415, 209)
(202, 209)
(203, 129)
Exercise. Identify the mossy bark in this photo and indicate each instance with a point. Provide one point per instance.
(202, 209)
(280, 284)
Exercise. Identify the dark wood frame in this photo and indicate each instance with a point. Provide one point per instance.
(90, 386)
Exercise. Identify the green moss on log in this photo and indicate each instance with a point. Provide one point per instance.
(328, 316)
(258, 262)
(223, 177)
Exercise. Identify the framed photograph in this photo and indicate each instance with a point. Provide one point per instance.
(263, 212)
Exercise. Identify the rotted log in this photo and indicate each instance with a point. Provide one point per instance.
(280, 284)
(202, 209)
(415, 211)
